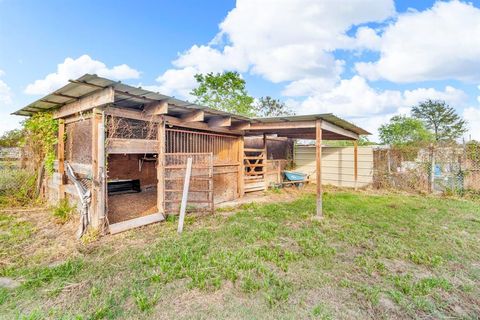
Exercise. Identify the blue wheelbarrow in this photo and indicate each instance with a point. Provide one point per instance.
(296, 178)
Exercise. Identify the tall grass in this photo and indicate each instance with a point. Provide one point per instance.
(17, 187)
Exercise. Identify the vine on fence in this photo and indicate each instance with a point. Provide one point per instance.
(40, 139)
(130, 129)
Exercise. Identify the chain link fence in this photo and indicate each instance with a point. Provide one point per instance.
(443, 167)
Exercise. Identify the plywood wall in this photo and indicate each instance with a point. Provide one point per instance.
(337, 164)
(127, 167)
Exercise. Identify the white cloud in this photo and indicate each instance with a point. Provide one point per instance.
(366, 38)
(284, 40)
(453, 96)
(175, 82)
(5, 91)
(354, 99)
(74, 68)
(308, 86)
(472, 115)
(442, 42)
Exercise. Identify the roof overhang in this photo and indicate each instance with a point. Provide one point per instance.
(118, 95)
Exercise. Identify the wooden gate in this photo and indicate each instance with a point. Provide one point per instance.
(200, 195)
(255, 162)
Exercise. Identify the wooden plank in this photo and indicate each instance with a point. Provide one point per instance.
(264, 160)
(338, 130)
(220, 122)
(253, 150)
(61, 157)
(243, 125)
(200, 125)
(130, 114)
(241, 167)
(156, 108)
(281, 125)
(355, 165)
(186, 186)
(102, 172)
(78, 117)
(130, 146)
(318, 162)
(135, 223)
(96, 99)
(94, 217)
(193, 116)
(190, 190)
(161, 168)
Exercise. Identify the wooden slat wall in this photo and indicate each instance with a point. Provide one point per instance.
(337, 165)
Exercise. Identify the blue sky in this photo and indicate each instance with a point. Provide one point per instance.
(362, 60)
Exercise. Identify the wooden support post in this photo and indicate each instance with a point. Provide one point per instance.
(61, 158)
(241, 167)
(318, 159)
(265, 158)
(186, 185)
(432, 168)
(161, 168)
(102, 173)
(355, 163)
(97, 212)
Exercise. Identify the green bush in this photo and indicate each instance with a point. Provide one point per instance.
(17, 187)
(63, 211)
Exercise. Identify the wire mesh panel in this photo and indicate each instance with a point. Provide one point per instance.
(200, 195)
(444, 167)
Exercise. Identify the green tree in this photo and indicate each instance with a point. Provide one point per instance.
(269, 107)
(402, 130)
(223, 91)
(11, 138)
(441, 119)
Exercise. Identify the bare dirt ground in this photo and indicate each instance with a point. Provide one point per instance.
(127, 206)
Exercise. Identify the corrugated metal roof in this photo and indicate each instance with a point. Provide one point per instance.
(329, 117)
(127, 96)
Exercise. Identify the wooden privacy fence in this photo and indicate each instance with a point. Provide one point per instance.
(200, 195)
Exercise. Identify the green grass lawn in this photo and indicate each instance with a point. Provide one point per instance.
(372, 256)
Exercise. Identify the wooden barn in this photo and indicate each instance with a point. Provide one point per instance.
(127, 147)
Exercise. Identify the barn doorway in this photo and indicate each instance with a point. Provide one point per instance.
(131, 190)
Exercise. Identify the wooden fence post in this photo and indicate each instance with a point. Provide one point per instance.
(161, 168)
(241, 167)
(186, 185)
(61, 158)
(318, 159)
(355, 163)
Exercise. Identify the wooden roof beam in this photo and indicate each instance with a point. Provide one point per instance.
(193, 116)
(338, 130)
(261, 126)
(220, 122)
(243, 125)
(96, 99)
(65, 96)
(156, 108)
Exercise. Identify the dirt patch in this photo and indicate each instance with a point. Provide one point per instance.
(122, 207)
(47, 242)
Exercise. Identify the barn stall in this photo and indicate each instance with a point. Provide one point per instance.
(127, 149)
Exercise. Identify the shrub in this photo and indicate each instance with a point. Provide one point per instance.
(63, 211)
